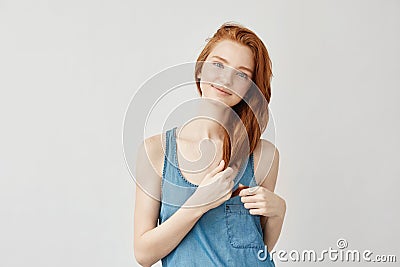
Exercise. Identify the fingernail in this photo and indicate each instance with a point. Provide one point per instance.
(252, 189)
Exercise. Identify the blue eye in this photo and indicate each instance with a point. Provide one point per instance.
(218, 64)
(242, 75)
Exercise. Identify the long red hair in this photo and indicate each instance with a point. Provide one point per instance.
(254, 122)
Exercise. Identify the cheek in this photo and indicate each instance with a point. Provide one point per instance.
(205, 88)
(242, 91)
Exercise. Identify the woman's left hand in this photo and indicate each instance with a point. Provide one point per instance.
(261, 201)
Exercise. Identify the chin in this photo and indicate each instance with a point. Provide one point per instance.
(225, 100)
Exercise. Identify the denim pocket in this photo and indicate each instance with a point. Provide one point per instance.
(244, 229)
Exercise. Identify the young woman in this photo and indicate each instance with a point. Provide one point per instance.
(196, 218)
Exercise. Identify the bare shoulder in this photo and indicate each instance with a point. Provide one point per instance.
(152, 151)
(266, 164)
(149, 164)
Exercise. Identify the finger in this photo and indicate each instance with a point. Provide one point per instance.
(224, 174)
(219, 168)
(247, 199)
(257, 211)
(237, 191)
(230, 187)
(254, 205)
(227, 172)
(249, 191)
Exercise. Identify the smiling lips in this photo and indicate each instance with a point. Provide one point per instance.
(223, 91)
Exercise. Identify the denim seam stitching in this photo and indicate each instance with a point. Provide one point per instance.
(165, 160)
(230, 234)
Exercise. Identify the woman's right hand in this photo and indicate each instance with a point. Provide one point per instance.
(214, 189)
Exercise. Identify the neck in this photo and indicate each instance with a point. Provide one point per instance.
(208, 122)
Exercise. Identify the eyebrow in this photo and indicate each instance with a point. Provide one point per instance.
(240, 67)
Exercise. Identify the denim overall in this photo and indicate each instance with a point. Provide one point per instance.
(227, 235)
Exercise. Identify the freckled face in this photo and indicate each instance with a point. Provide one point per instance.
(226, 75)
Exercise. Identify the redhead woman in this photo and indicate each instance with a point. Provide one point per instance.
(225, 213)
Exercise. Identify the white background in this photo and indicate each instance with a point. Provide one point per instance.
(68, 70)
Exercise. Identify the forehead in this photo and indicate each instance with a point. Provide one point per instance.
(235, 53)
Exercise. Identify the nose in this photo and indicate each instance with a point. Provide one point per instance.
(227, 77)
